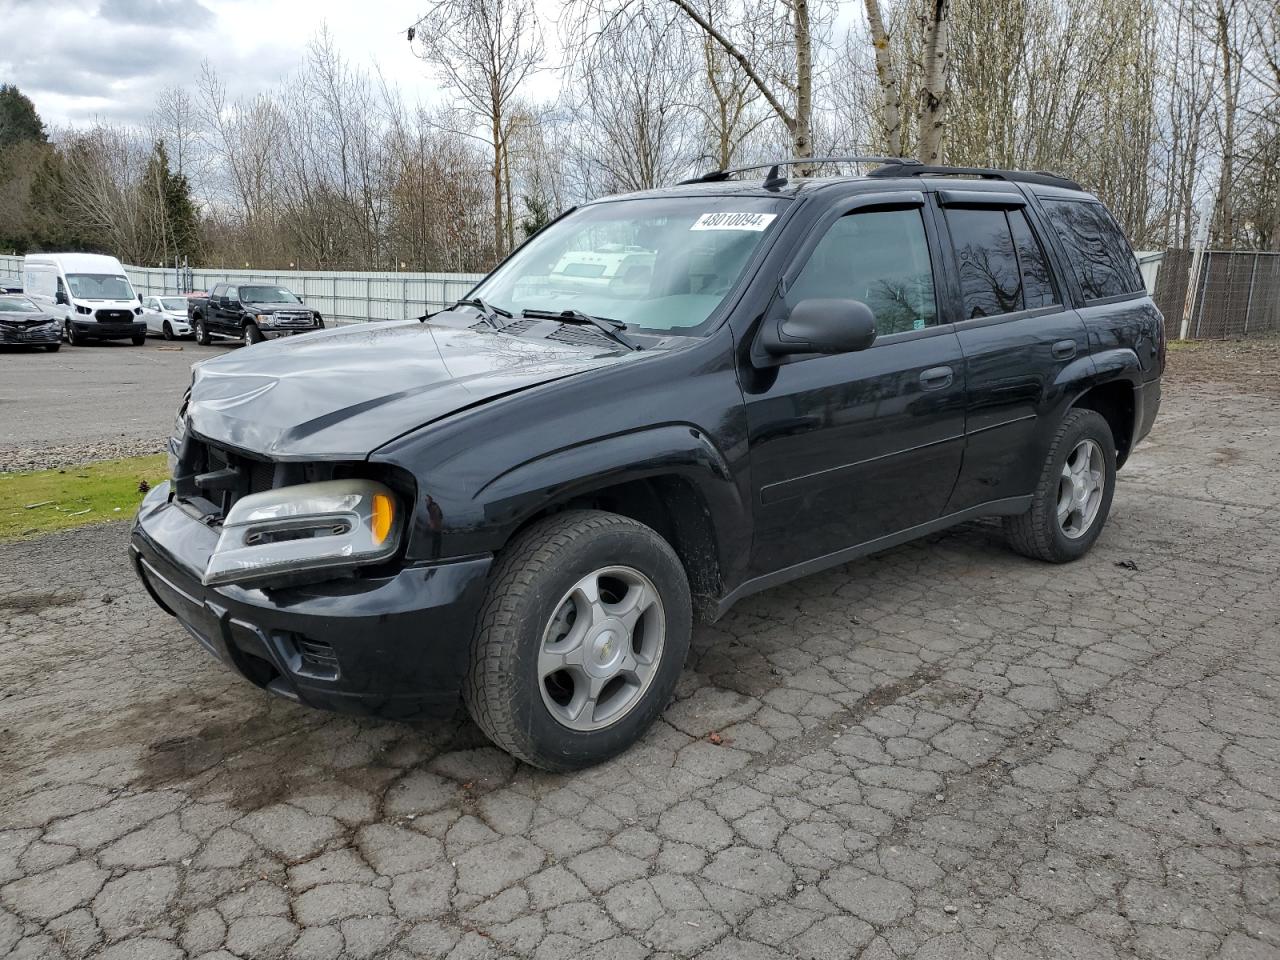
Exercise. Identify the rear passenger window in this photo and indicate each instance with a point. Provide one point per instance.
(1037, 281)
(1099, 254)
(880, 257)
(990, 279)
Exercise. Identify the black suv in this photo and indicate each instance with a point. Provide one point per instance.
(658, 405)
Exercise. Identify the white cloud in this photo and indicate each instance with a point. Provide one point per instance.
(110, 61)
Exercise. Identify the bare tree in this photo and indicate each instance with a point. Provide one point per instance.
(887, 75)
(485, 50)
(933, 88)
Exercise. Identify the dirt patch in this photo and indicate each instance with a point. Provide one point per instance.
(35, 602)
(1252, 366)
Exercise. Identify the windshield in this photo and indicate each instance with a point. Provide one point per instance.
(99, 286)
(17, 305)
(662, 264)
(266, 295)
(173, 303)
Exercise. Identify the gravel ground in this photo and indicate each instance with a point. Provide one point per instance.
(945, 751)
(98, 402)
(1252, 365)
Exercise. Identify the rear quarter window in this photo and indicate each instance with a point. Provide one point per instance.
(1096, 247)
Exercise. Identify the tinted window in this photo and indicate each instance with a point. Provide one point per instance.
(1096, 248)
(990, 281)
(880, 257)
(1037, 281)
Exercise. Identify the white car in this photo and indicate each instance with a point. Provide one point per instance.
(166, 316)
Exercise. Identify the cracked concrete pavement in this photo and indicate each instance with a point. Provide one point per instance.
(945, 751)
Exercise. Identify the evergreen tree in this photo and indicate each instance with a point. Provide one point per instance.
(19, 122)
(539, 215)
(176, 218)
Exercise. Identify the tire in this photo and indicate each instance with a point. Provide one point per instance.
(167, 330)
(252, 334)
(527, 616)
(139, 340)
(1040, 533)
(202, 332)
(69, 331)
(53, 347)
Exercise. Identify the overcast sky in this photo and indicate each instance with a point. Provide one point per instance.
(84, 59)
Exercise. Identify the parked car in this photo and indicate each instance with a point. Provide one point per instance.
(250, 313)
(89, 293)
(531, 496)
(10, 284)
(24, 323)
(166, 316)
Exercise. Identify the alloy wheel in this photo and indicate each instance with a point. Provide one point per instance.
(601, 650)
(1080, 488)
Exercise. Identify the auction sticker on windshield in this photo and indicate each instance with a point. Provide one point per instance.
(734, 221)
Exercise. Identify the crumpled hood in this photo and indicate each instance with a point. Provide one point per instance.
(342, 393)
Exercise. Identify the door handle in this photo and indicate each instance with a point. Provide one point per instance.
(1064, 349)
(935, 378)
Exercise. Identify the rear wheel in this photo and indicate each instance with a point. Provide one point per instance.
(202, 332)
(1073, 498)
(580, 641)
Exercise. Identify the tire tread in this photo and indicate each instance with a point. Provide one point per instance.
(1030, 533)
(490, 687)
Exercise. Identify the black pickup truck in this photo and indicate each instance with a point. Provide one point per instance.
(658, 405)
(250, 313)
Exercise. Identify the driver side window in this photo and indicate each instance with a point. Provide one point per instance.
(880, 257)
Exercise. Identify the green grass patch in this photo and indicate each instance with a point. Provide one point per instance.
(45, 500)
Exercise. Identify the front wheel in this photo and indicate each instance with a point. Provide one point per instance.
(252, 334)
(1070, 505)
(580, 641)
(69, 331)
(168, 330)
(139, 340)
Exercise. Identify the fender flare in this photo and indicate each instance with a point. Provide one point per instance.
(706, 504)
(680, 450)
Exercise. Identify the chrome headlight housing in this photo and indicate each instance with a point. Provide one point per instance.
(283, 535)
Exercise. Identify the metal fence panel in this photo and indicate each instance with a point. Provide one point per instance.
(1237, 293)
(341, 297)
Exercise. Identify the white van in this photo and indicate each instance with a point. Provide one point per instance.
(89, 293)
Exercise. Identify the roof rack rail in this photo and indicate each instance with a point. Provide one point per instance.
(1043, 177)
(773, 167)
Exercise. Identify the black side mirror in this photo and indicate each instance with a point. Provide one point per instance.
(820, 326)
(60, 297)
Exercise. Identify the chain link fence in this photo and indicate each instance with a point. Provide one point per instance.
(340, 297)
(1229, 294)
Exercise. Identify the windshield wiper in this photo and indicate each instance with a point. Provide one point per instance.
(609, 327)
(488, 311)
